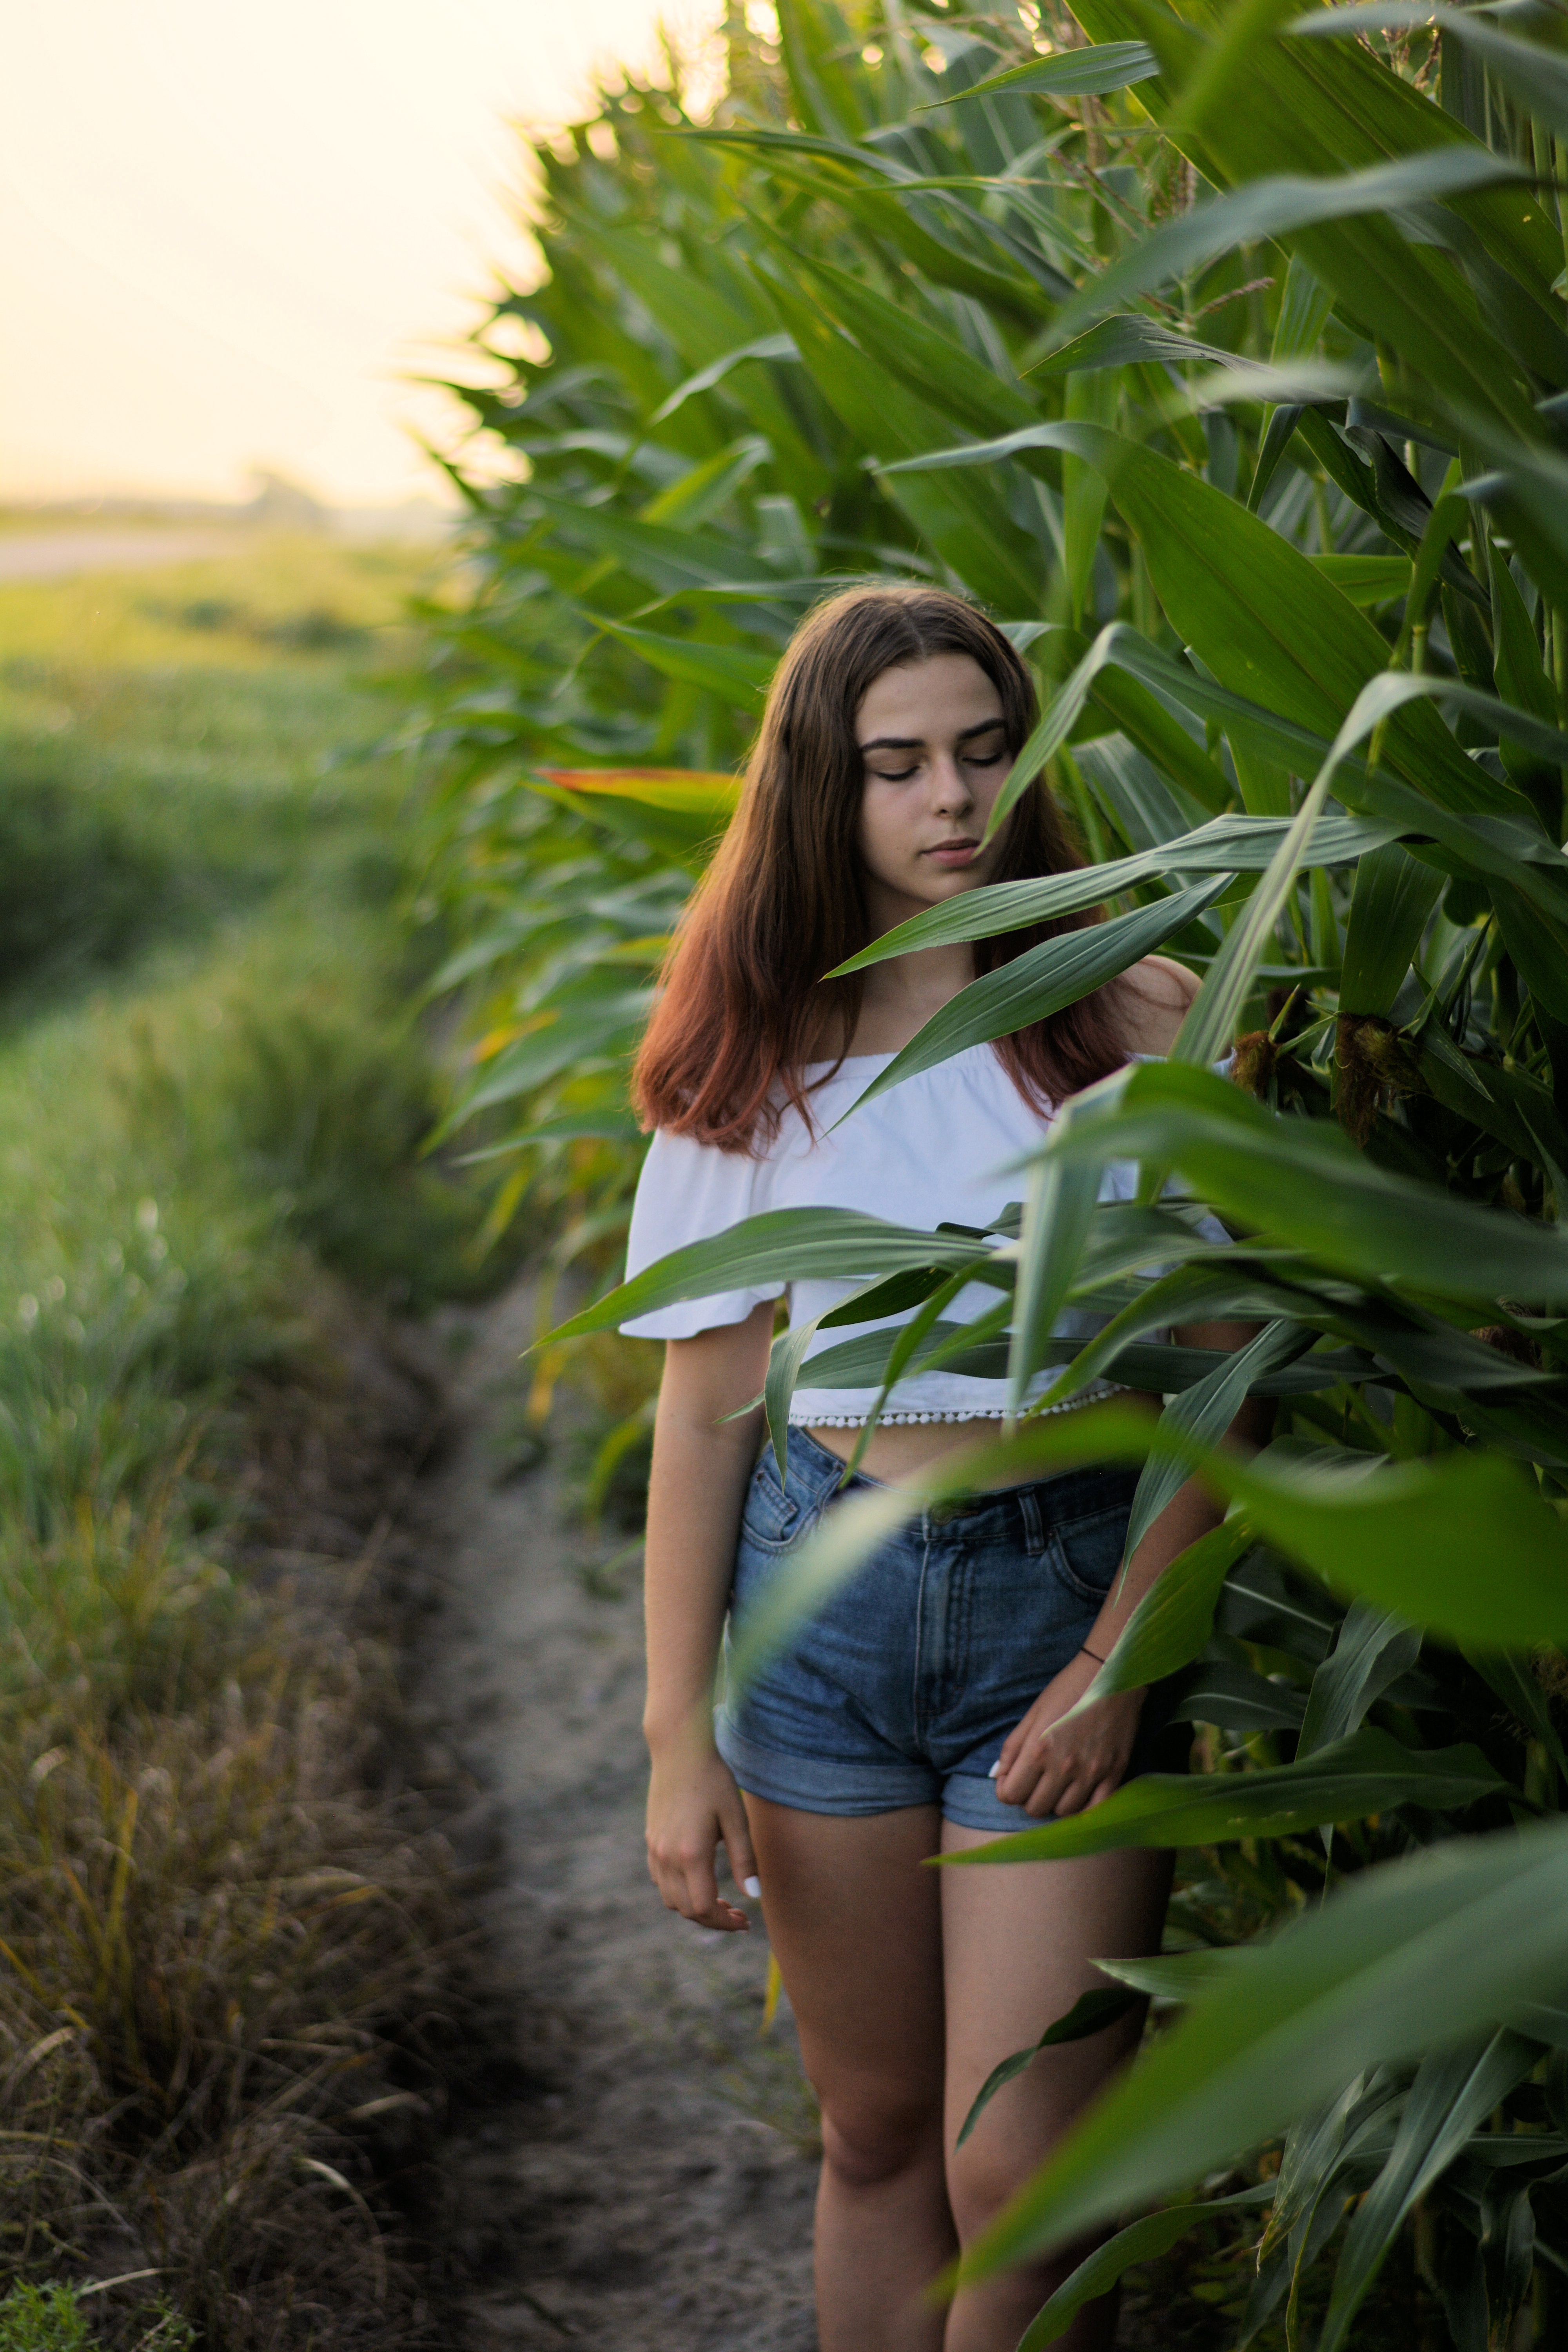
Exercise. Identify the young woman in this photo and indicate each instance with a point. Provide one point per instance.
(922, 1710)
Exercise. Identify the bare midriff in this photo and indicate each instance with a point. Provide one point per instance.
(901, 1449)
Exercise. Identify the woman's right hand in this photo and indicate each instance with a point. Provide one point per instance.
(693, 1804)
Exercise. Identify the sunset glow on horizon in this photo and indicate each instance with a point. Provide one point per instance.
(226, 237)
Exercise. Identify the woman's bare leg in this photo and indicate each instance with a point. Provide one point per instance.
(856, 1925)
(1018, 1944)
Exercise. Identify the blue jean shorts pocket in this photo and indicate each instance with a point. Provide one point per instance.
(773, 1519)
(1087, 1552)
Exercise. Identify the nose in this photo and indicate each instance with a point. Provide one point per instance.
(951, 793)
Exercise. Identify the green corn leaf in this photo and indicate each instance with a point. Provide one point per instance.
(664, 556)
(1517, 860)
(1187, 1292)
(1127, 1237)
(1211, 1021)
(708, 794)
(1267, 624)
(1393, 897)
(571, 1127)
(1040, 981)
(1174, 1621)
(1204, 1413)
(907, 1343)
(1077, 73)
(1095, 399)
(1436, 556)
(1057, 1214)
(731, 672)
(709, 487)
(1373, 1649)
(1305, 310)
(782, 1246)
(761, 347)
(1404, 1535)
(1410, 1954)
(1134, 794)
(1453, 2092)
(895, 1295)
(1277, 438)
(1324, 108)
(1117, 648)
(785, 1360)
(1533, 74)
(1366, 579)
(1130, 340)
(1407, 1538)
(861, 1362)
(1150, 724)
(1434, 1356)
(936, 369)
(963, 1343)
(1518, 1109)
(1315, 2149)
(1509, 1676)
(1274, 207)
(1522, 680)
(1305, 1182)
(1398, 688)
(607, 1029)
(1175, 1976)
(1537, 943)
(1228, 844)
(1370, 1772)
(1234, 1698)
(940, 239)
(1141, 2242)
(1090, 2014)
(1219, 74)
(973, 532)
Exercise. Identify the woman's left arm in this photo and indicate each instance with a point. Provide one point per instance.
(1049, 1767)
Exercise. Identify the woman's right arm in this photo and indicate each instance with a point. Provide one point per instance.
(701, 1466)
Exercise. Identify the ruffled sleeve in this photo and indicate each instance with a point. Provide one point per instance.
(689, 1191)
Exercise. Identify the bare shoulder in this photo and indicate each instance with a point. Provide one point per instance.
(1152, 1002)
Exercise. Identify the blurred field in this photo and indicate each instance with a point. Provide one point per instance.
(222, 1953)
(179, 744)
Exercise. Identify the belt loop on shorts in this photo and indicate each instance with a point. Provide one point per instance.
(1034, 1526)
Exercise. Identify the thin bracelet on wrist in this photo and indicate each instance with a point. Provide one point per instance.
(1085, 1652)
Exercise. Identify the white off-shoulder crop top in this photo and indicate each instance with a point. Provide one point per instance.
(931, 1151)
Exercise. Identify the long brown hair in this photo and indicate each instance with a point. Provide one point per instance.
(743, 1004)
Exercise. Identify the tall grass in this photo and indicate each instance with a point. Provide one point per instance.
(227, 1971)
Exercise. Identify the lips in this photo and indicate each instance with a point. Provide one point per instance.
(953, 853)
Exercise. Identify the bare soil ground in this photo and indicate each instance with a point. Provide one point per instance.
(638, 2175)
(641, 2179)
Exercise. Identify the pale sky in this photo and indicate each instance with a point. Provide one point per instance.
(226, 230)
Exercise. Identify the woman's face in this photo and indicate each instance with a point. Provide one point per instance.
(934, 756)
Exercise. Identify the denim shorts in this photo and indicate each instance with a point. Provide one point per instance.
(902, 1691)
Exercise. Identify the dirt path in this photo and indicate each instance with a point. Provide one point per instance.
(647, 2190)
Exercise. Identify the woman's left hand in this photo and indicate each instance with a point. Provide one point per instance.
(1049, 1767)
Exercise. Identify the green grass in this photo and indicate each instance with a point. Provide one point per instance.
(179, 1112)
(223, 1956)
(52, 2320)
(177, 746)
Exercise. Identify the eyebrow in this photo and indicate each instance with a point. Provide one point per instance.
(915, 743)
